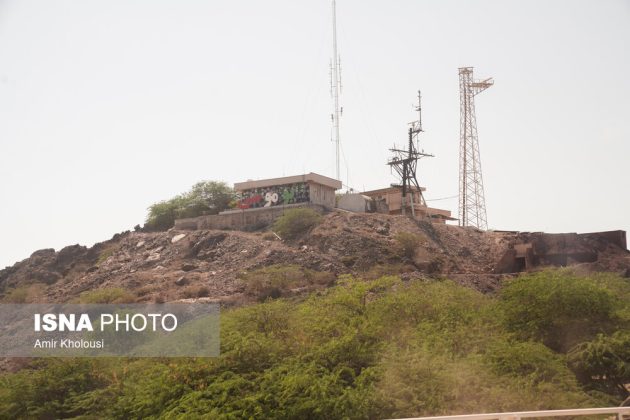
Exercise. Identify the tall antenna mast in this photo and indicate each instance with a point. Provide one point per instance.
(335, 88)
(472, 203)
(405, 163)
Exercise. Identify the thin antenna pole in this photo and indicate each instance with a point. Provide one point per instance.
(335, 88)
(405, 163)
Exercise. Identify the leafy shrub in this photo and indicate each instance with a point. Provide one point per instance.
(528, 360)
(604, 363)
(106, 295)
(558, 308)
(361, 349)
(63, 388)
(206, 197)
(296, 222)
(407, 243)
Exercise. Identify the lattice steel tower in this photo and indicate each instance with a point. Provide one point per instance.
(472, 203)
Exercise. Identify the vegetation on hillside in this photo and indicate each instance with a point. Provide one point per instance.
(205, 197)
(367, 349)
(296, 222)
(280, 280)
(106, 295)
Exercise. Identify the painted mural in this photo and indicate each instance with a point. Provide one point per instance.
(277, 195)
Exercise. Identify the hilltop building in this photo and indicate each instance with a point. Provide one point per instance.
(260, 202)
(293, 191)
(392, 196)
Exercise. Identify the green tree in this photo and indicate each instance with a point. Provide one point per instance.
(604, 363)
(205, 197)
(558, 308)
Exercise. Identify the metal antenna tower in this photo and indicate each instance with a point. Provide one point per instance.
(405, 162)
(335, 88)
(472, 203)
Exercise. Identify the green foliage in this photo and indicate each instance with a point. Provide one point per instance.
(206, 197)
(407, 243)
(379, 348)
(278, 280)
(531, 361)
(558, 308)
(296, 222)
(604, 363)
(54, 389)
(106, 295)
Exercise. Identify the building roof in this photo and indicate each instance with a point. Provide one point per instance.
(390, 189)
(310, 177)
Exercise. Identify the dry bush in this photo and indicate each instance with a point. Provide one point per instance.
(25, 294)
(381, 270)
(106, 295)
(407, 244)
(296, 222)
(278, 280)
(106, 253)
(144, 290)
(268, 236)
(192, 292)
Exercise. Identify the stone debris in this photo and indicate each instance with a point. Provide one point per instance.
(344, 243)
(178, 238)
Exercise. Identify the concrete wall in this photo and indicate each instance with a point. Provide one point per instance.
(356, 203)
(286, 194)
(240, 219)
(322, 195)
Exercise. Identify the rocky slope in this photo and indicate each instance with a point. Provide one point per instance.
(213, 265)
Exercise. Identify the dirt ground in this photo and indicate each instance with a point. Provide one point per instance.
(211, 264)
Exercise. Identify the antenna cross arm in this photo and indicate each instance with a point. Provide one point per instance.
(481, 85)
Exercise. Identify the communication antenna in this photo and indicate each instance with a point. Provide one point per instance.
(405, 162)
(335, 89)
(472, 202)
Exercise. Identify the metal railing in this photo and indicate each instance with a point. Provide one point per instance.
(620, 412)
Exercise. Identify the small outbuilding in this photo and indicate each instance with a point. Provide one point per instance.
(308, 188)
(262, 201)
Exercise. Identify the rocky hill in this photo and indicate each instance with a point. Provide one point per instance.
(216, 265)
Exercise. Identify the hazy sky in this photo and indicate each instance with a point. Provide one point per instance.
(109, 106)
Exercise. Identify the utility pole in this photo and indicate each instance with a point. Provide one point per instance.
(472, 203)
(405, 162)
(335, 89)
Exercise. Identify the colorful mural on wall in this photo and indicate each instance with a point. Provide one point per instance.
(278, 195)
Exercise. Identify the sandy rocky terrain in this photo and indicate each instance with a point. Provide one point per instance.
(166, 266)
